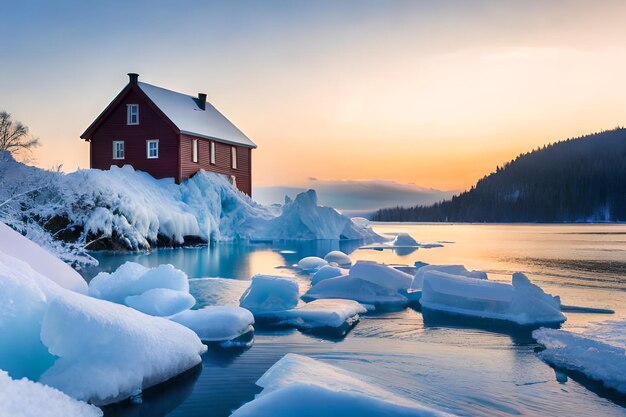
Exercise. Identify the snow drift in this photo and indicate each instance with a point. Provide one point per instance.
(126, 209)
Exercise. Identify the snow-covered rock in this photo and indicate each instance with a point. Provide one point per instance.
(161, 302)
(25, 398)
(270, 293)
(322, 313)
(360, 290)
(418, 281)
(134, 279)
(42, 261)
(217, 323)
(339, 258)
(300, 386)
(521, 303)
(123, 208)
(311, 263)
(90, 349)
(327, 271)
(595, 359)
(382, 275)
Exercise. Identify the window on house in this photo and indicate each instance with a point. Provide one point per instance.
(194, 151)
(233, 157)
(132, 114)
(118, 149)
(213, 153)
(152, 149)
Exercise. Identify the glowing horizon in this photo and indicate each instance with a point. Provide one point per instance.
(432, 94)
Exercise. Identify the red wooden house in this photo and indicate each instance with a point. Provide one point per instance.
(169, 134)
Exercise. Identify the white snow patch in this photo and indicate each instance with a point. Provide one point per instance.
(25, 398)
(300, 386)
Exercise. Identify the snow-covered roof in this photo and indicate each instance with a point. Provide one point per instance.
(184, 112)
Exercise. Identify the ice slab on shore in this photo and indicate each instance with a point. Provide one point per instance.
(269, 293)
(298, 386)
(357, 289)
(339, 258)
(522, 303)
(327, 271)
(25, 398)
(322, 313)
(418, 281)
(90, 349)
(217, 323)
(14, 244)
(595, 359)
(161, 302)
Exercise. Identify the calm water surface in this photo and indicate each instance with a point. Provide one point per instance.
(450, 365)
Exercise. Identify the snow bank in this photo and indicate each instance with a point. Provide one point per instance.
(269, 293)
(382, 275)
(339, 258)
(42, 261)
(322, 313)
(217, 323)
(351, 288)
(90, 349)
(122, 208)
(161, 302)
(522, 303)
(596, 360)
(300, 386)
(311, 263)
(327, 271)
(24, 398)
(418, 281)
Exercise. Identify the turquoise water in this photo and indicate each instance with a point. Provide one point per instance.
(449, 365)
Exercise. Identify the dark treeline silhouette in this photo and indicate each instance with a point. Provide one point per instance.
(579, 179)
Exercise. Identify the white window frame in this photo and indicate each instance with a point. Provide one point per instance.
(116, 154)
(148, 143)
(233, 157)
(194, 151)
(212, 156)
(132, 110)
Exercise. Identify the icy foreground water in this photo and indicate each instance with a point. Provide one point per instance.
(452, 366)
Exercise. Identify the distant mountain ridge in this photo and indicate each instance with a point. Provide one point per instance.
(576, 180)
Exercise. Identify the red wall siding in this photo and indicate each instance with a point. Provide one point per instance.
(222, 161)
(151, 126)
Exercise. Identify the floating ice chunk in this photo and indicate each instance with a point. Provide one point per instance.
(404, 239)
(339, 258)
(24, 398)
(322, 313)
(596, 360)
(134, 279)
(311, 263)
(382, 275)
(217, 291)
(522, 303)
(448, 269)
(351, 288)
(269, 293)
(300, 386)
(161, 302)
(217, 323)
(327, 271)
(14, 244)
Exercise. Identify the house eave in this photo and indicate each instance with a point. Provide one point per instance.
(230, 142)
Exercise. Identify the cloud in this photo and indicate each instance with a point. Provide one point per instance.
(356, 196)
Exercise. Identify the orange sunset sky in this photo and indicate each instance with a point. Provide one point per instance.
(431, 93)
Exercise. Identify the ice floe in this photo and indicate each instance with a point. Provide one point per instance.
(339, 258)
(224, 324)
(311, 263)
(300, 386)
(327, 271)
(335, 313)
(161, 302)
(448, 269)
(593, 358)
(270, 293)
(521, 302)
(25, 398)
(351, 288)
(380, 274)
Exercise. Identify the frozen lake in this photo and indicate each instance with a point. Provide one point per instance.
(449, 365)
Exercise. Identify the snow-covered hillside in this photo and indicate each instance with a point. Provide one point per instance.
(127, 209)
